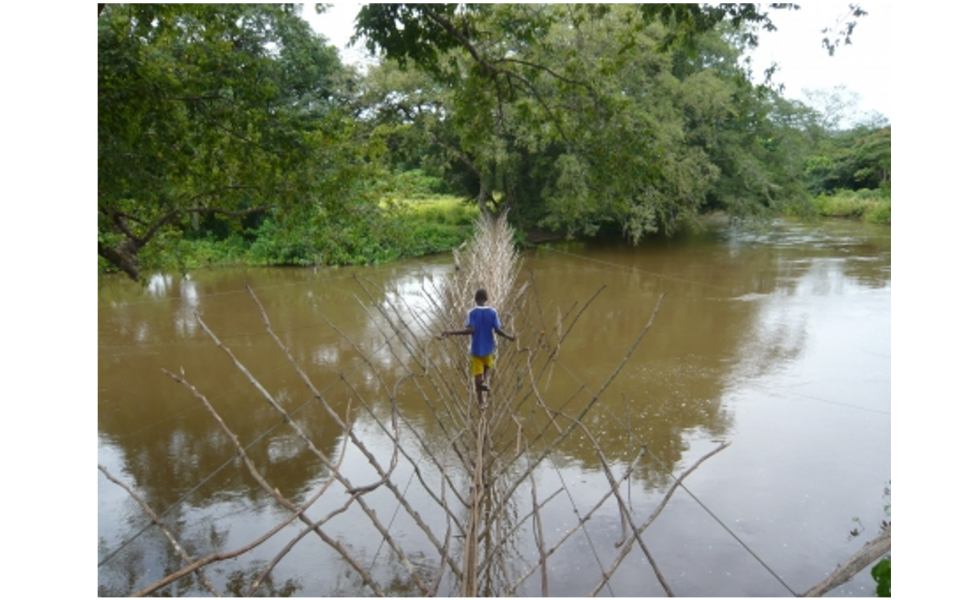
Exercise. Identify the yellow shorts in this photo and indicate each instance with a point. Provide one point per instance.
(479, 363)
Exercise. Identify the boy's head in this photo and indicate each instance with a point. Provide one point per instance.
(481, 296)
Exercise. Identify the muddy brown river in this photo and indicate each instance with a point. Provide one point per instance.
(776, 340)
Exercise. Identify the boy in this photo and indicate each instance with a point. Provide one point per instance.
(482, 322)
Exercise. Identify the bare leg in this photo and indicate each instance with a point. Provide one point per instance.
(481, 386)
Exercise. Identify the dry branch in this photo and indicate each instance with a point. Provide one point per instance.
(538, 531)
(677, 482)
(624, 516)
(296, 511)
(556, 442)
(871, 552)
(401, 556)
(166, 531)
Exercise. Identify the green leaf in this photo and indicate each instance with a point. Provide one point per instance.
(881, 574)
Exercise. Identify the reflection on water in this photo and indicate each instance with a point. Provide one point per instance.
(777, 340)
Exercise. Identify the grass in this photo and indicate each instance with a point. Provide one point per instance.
(439, 209)
(202, 253)
(872, 206)
(432, 224)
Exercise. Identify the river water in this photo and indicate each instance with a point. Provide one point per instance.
(776, 340)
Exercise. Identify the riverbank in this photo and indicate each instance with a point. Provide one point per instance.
(398, 228)
(404, 228)
(872, 206)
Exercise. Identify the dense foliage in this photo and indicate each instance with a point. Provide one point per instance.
(213, 110)
(581, 117)
(234, 133)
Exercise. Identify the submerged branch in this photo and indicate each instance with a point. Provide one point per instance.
(871, 552)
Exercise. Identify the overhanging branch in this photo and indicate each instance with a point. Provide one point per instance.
(496, 71)
(173, 214)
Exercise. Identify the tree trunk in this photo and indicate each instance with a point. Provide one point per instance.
(124, 258)
(482, 200)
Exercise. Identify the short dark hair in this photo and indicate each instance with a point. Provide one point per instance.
(481, 295)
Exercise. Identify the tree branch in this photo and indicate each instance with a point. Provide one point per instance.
(544, 68)
(452, 30)
(166, 531)
(458, 153)
(471, 49)
(127, 216)
(676, 483)
(127, 264)
(871, 551)
(296, 512)
(124, 256)
(119, 220)
(173, 214)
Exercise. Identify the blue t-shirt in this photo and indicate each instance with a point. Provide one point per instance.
(483, 319)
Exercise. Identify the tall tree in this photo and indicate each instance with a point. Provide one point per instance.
(206, 109)
(581, 115)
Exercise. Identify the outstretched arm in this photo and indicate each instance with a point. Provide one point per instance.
(506, 335)
(467, 331)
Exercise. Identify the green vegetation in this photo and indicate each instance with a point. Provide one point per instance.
(848, 171)
(881, 574)
(233, 133)
(871, 205)
(441, 210)
(881, 570)
(583, 118)
(208, 111)
(406, 228)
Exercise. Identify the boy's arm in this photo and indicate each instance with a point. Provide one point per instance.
(467, 331)
(506, 335)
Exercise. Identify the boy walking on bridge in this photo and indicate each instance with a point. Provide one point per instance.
(482, 322)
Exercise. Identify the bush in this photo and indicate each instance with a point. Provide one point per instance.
(365, 235)
(879, 213)
(291, 245)
(417, 184)
(870, 205)
(431, 238)
(356, 234)
(208, 251)
(445, 210)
